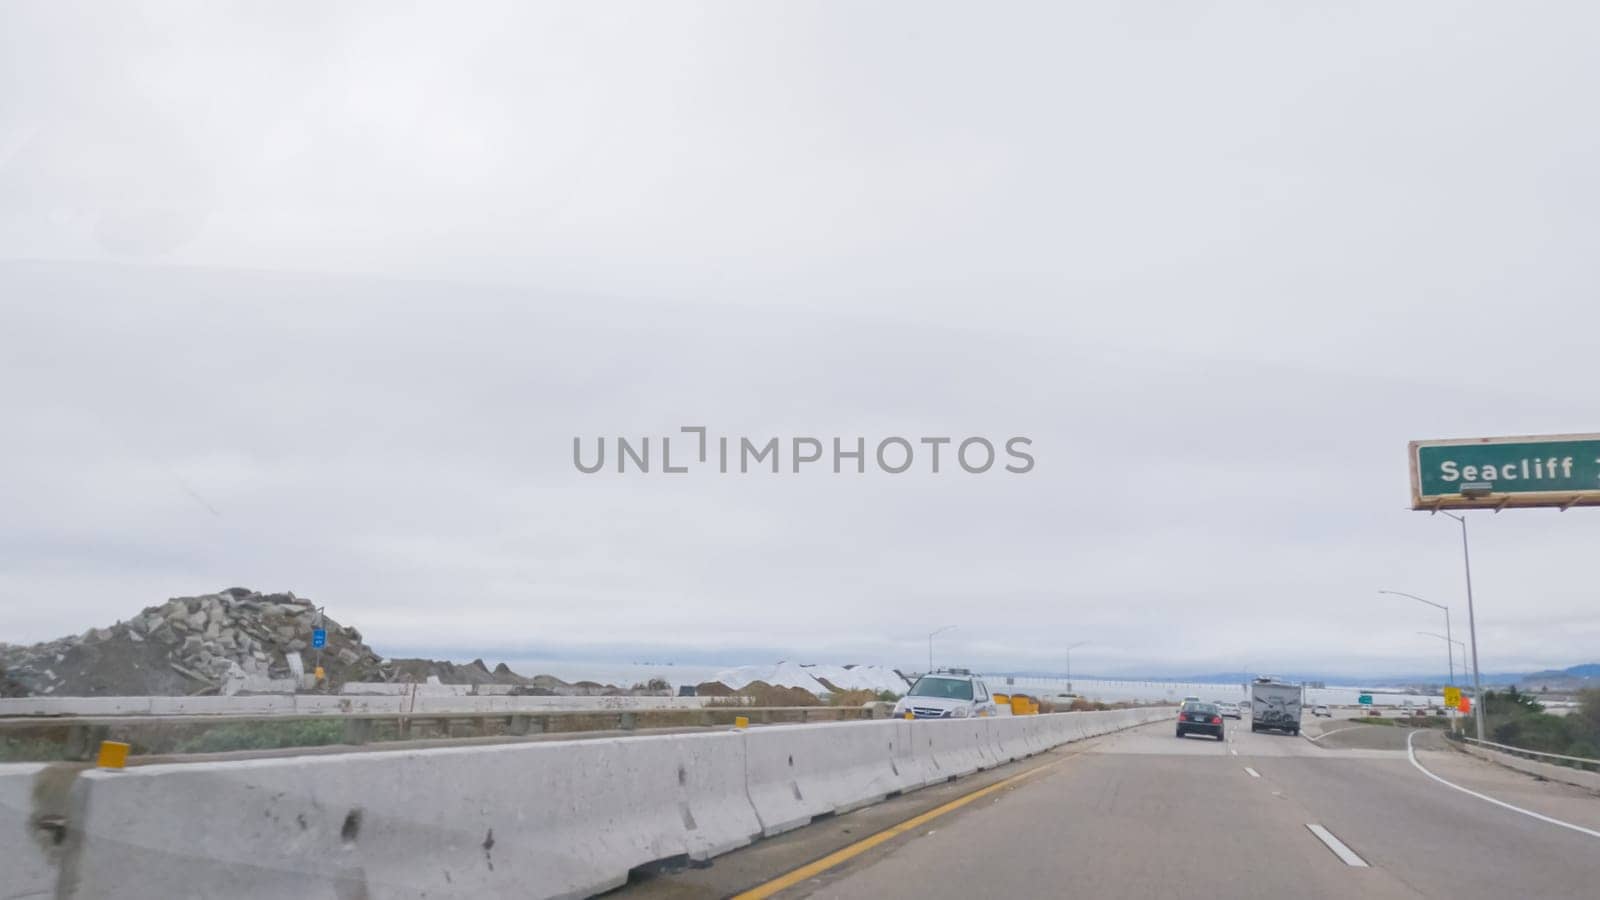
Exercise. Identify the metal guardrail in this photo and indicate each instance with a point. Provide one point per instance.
(1582, 760)
(81, 735)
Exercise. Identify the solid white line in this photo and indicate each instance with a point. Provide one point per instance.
(1337, 846)
(1253, 772)
(1411, 752)
(1234, 752)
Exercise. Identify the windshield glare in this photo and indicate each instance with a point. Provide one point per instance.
(947, 688)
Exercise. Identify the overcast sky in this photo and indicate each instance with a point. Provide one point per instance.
(315, 297)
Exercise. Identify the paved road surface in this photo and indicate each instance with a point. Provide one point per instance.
(1144, 814)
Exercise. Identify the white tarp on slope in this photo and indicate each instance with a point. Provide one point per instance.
(861, 678)
(794, 675)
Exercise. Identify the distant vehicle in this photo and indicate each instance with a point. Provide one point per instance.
(1275, 705)
(1195, 717)
(1321, 710)
(947, 694)
(1231, 710)
(1189, 699)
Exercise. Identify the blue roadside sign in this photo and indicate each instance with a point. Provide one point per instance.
(319, 637)
(1364, 700)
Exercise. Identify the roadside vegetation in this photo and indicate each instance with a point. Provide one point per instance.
(1517, 719)
(14, 748)
(259, 736)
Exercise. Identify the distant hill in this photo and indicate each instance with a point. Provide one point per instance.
(1572, 678)
(1587, 670)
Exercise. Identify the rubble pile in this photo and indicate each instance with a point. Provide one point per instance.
(224, 642)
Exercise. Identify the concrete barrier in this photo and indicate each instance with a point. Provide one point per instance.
(794, 775)
(913, 761)
(1063, 728)
(956, 745)
(1006, 738)
(556, 819)
(26, 866)
(529, 820)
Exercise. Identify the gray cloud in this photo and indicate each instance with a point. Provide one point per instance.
(327, 292)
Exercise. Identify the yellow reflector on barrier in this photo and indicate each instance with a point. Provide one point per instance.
(113, 755)
(741, 721)
(910, 715)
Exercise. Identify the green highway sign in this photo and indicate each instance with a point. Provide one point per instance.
(1365, 700)
(1559, 470)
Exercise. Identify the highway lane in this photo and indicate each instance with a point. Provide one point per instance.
(1143, 814)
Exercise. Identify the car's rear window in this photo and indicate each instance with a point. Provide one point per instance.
(1200, 707)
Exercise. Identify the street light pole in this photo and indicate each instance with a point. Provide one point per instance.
(1472, 626)
(1451, 657)
(1069, 663)
(930, 644)
(1448, 641)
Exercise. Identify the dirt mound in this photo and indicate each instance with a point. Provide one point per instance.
(475, 672)
(765, 694)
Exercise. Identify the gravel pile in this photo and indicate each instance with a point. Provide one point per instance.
(224, 642)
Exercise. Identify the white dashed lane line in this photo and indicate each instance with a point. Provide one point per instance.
(1337, 846)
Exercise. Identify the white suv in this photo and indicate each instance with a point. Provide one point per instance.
(947, 694)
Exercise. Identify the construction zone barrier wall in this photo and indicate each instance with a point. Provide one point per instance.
(551, 819)
(794, 775)
(546, 819)
(27, 868)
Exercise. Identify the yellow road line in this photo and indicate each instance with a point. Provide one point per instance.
(844, 854)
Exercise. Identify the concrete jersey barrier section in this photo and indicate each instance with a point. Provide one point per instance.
(27, 868)
(548, 820)
(553, 819)
(796, 774)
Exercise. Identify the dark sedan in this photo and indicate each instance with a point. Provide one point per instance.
(1200, 718)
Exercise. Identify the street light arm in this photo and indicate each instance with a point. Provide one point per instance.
(930, 643)
(1415, 597)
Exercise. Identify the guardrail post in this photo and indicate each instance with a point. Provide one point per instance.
(83, 741)
(357, 731)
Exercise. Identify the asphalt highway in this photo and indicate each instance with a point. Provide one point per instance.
(1145, 814)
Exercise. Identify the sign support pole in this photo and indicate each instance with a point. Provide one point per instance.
(1472, 626)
